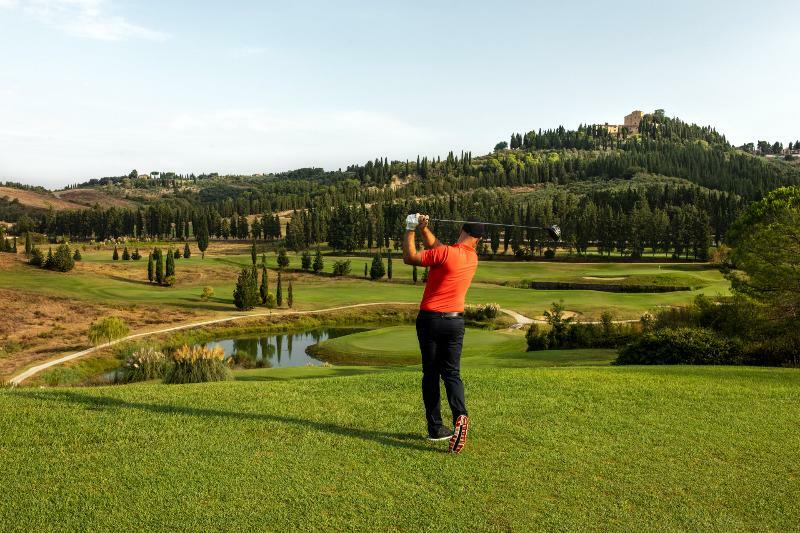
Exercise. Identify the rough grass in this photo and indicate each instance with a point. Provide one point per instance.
(550, 448)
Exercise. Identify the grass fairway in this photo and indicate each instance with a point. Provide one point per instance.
(98, 278)
(550, 448)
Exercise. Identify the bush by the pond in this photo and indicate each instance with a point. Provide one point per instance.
(481, 312)
(565, 333)
(681, 346)
(197, 364)
(62, 376)
(144, 364)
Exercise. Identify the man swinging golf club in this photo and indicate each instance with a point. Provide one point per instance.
(440, 322)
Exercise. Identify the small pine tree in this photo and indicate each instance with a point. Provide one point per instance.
(126, 255)
(28, 244)
(62, 260)
(283, 259)
(377, 271)
(151, 267)
(365, 270)
(289, 296)
(14, 248)
(37, 259)
(279, 291)
(245, 295)
(319, 264)
(77, 255)
(264, 289)
(414, 274)
(115, 257)
(187, 252)
(305, 260)
(389, 264)
(170, 265)
(48, 263)
(136, 255)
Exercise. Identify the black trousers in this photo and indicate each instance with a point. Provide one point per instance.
(440, 341)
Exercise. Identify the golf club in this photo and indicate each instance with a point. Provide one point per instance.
(554, 231)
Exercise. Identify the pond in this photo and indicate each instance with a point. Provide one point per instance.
(277, 350)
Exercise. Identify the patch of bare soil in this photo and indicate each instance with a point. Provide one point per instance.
(36, 327)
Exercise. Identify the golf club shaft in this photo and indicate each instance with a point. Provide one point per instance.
(486, 223)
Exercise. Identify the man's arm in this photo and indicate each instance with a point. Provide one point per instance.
(410, 254)
(429, 240)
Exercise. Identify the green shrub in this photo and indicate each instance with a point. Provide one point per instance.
(144, 364)
(341, 268)
(536, 338)
(677, 346)
(207, 293)
(197, 364)
(61, 376)
(480, 313)
(37, 258)
(107, 329)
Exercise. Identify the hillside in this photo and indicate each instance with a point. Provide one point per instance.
(37, 200)
(88, 197)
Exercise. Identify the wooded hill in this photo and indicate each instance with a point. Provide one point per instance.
(674, 187)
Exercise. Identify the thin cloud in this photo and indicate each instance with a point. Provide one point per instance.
(84, 18)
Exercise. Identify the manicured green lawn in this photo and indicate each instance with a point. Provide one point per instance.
(220, 273)
(558, 448)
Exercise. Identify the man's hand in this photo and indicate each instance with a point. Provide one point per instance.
(412, 221)
(423, 221)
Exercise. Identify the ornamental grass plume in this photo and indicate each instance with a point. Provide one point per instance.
(198, 364)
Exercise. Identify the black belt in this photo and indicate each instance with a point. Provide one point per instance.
(437, 314)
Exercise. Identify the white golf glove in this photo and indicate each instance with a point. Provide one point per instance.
(412, 221)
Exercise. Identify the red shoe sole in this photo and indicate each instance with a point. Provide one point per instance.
(459, 438)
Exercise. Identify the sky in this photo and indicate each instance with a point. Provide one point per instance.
(93, 88)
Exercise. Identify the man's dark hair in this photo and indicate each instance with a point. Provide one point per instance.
(475, 229)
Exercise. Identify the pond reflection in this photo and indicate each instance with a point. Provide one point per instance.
(277, 350)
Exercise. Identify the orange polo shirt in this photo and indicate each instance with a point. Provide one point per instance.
(450, 273)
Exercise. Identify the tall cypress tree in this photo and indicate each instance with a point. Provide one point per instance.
(264, 290)
(279, 291)
(170, 264)
(115, 257)
(202, 236)
(253, 254)
(290, 296)
(150, 267)
(159, 266)
(28, 245)
(414, 274)
(187, 253)
(389, 264)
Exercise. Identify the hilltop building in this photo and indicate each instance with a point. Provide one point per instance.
(630, 122)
